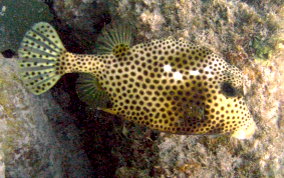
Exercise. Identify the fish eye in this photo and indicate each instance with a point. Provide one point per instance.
(228, 90)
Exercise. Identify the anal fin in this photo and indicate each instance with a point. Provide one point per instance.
(90, 91)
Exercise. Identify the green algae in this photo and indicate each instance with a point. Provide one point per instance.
(263, 48)
(4, 101)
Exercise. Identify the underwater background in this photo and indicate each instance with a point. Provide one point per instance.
(58, 135)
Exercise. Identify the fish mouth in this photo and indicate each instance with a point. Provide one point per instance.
(245, 132)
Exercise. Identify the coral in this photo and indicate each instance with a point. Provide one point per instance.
(17, 17)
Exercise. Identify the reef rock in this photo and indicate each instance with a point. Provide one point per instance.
(37, 139)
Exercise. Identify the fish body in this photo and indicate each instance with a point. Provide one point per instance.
(167, 85)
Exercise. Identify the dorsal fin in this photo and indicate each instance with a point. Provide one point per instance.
(115, 39)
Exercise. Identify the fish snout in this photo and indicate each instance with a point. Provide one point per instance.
(245, 132)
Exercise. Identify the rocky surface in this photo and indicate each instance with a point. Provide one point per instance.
(37, 138)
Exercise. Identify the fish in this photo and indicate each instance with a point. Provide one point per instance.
(168, 84)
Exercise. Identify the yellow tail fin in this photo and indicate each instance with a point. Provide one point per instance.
(40, 53)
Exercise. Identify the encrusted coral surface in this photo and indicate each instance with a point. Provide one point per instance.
(34, 141)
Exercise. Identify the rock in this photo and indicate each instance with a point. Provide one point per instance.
(14, 22)
(37, 138)
(85, 18)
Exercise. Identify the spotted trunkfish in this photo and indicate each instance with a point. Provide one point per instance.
(167, 84)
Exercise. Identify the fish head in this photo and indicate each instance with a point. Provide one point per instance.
(228, 109)
(211, 98)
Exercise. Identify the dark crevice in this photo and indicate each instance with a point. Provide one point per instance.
(8, 53)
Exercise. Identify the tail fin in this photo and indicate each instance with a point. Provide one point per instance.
(40, 53)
